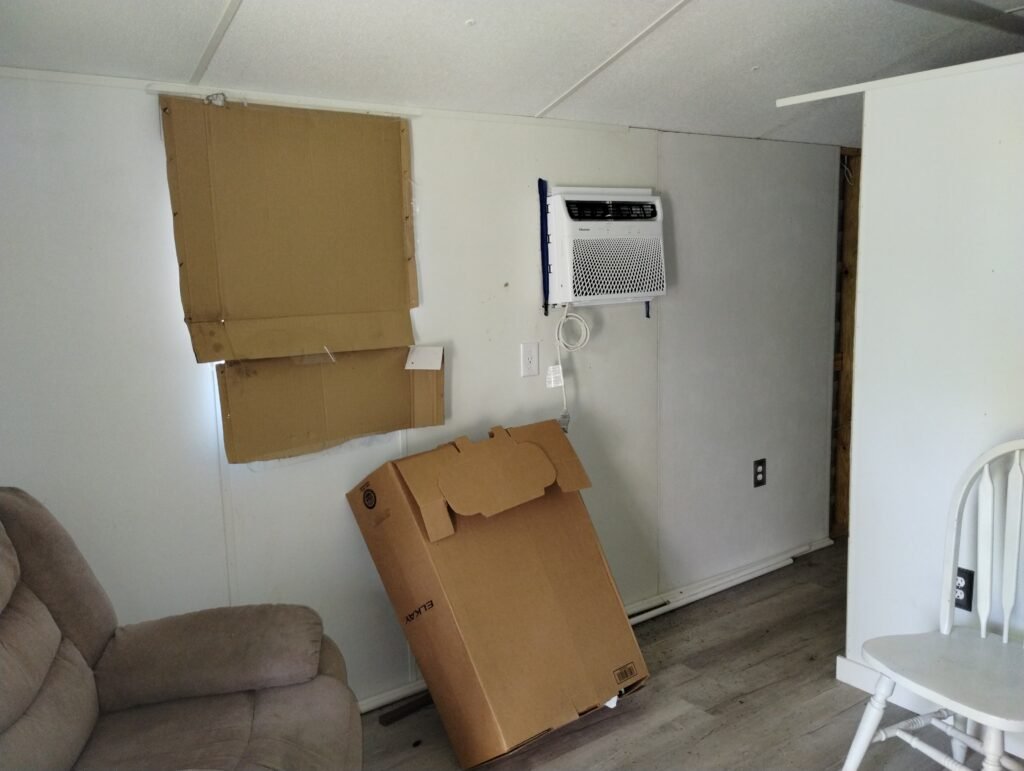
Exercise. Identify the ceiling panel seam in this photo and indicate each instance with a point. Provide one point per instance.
(230, 10)
(629, 44)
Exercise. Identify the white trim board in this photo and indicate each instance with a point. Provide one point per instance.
(335, 105)
(900, 80)
(389, 697)
(295, 100)
(676, 598)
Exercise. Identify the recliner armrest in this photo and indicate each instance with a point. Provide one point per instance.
(332, 662)
(222, 650)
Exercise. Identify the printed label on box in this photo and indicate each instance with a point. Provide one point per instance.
(622, 674)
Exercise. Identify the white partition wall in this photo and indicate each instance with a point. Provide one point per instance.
(939, 360)
(745, 355)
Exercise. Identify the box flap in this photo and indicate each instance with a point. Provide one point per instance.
(420, 474)
(276, 408)
(293, 228)
(494, 475)
(549, 436)
(509, 468)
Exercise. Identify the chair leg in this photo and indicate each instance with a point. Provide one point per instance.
(869, 723)
(958, 747)
(993, 743)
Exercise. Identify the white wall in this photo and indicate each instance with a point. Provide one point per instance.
(105, 416)
(477, 246)
(745, 356)
(103, 411)
(940, 328)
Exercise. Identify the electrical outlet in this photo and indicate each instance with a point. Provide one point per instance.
(760, 472)
(963, 592)
(529, 359)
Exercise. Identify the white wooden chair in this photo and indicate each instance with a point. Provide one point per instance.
(976, 678)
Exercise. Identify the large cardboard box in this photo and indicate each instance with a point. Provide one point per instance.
(495, 573)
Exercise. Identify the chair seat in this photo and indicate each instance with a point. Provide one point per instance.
(314, 725)
(979, 678)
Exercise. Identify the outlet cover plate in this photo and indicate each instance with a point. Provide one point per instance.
(529, 359)
(963, 592)
(760, 472)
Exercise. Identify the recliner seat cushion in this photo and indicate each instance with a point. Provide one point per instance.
(206, 732)
(310, 726)
(314, 725)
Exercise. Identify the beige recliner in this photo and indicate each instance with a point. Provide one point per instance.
(249, 687)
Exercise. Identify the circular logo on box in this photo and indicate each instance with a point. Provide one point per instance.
(369, 498)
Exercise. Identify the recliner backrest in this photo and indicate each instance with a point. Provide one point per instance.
(55, 620)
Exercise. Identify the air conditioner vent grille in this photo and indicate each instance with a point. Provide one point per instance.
(613, 266)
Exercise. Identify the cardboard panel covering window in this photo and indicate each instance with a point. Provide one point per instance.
(293, 229)
(275, 408)
(295, 250)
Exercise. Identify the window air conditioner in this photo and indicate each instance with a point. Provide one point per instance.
(605, 245)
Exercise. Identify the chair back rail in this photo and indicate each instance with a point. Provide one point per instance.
(998, 539)
(1011, 551)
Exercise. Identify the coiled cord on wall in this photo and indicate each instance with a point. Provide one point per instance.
(562, 343)
(582, 338)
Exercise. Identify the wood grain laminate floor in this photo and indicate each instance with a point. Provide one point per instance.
(744, 679)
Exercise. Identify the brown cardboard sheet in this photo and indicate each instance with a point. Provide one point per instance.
(293, 229)
(511, 612)
(490, 477)
(276, 408)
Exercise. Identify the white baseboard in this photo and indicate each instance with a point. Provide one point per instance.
(647, 609)
(388, 697)
(856, 674)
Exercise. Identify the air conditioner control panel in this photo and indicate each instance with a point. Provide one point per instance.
(611, 210)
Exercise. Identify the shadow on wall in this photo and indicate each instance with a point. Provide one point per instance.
(618, 516)
(669, 240)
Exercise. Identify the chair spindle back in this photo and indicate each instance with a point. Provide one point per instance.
(998, 535)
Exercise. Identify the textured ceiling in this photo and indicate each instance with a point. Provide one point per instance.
(147, 39)
(709, 66)
(717, 66)
(516, 54)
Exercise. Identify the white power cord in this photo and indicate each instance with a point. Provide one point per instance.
(582, 337)
(556, 378)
